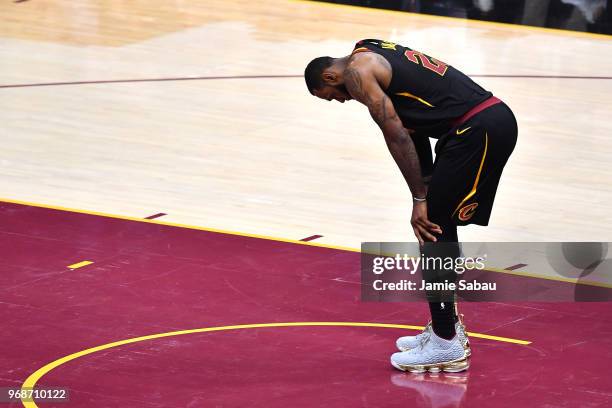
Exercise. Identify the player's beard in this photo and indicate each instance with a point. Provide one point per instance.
(344, 91)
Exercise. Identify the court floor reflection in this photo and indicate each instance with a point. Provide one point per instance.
(435, 390)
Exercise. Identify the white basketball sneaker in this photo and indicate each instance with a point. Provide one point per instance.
(462, 334)
(435, 354)
(409, 342)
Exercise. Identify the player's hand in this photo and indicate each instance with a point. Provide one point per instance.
(422, 227)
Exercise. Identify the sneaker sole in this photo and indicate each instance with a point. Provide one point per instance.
(454, 366)
(468, 350)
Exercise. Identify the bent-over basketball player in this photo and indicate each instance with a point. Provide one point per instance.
(412, 97)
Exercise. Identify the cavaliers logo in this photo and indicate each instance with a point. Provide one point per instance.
(467, 212)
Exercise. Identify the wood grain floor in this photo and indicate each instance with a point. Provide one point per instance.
(261, 155)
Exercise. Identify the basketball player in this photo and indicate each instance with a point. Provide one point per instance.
(412, 97)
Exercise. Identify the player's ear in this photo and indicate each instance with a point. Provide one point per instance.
(329, 77)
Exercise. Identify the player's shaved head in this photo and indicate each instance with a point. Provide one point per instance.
(313, 74)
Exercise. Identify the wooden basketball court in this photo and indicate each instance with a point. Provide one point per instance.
(196, 114)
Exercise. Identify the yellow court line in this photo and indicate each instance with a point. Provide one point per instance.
(80, 264)
(31, 381)
(546, 30)
(172, 224)
(270, 238)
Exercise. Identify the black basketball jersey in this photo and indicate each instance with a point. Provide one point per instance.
(427, 94)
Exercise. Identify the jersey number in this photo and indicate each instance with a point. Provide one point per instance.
(427, 62)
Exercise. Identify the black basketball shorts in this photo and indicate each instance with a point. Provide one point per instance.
(468, 166)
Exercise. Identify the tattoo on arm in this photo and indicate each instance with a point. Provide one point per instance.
(407, 159)
(378, 109)
(398, 139)
(380, 113)
(354, 85)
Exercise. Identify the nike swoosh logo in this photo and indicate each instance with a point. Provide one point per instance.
(460, 132)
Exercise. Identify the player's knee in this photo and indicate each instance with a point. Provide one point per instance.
(448, 227)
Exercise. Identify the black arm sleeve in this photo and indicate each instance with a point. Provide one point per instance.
(423, 148)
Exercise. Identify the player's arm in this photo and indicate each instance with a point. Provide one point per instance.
(423, 149)
(362, 84)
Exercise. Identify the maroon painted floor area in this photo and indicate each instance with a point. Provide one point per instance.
(149, 278)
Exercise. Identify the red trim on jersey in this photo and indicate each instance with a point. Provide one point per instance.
(475, 110)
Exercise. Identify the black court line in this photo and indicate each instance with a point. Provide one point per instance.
(120, 81)
(205, 78)
(154, 216)
(515, 267)
(311, 238)
(539, 76)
